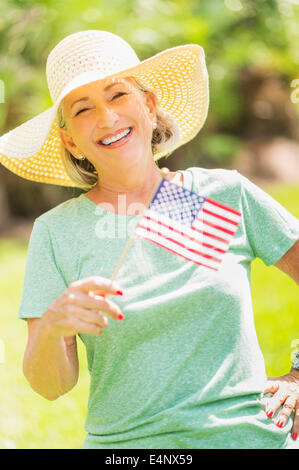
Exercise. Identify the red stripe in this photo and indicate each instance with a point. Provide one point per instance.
(218, 204)
(218, 227)
(207, 234)
(221, 217)
(182, 233)
(214, 248)
(175, 252)
(181, 244)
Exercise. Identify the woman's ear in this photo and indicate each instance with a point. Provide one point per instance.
(68, 142)
(151, 103)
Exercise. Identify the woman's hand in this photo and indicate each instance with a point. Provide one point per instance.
(285, 390)
(77, 309)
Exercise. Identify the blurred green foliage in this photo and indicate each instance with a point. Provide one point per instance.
(235, 34)
(220, 147)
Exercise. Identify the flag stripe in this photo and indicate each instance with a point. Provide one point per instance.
(179, 243)
(216, 220)
(198, 224)
(221, 212)
(224, 219)
(164, 242)
(171, 224)
(172, 232)
(229, 232)
(207, 245)
(180, 254)
(211, 235)
(223, 206)
(179, 237)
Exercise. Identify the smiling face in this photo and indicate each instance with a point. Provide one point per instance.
(110, 122)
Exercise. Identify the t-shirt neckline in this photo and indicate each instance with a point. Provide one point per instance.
(104, 211)
(110, 213)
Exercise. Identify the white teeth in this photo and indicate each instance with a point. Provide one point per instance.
(119, 136)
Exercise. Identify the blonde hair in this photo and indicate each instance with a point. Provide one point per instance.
(165, 136)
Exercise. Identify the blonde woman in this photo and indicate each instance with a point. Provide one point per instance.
(172, 350)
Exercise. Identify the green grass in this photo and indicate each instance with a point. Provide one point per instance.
(28, 421)
(276, 298)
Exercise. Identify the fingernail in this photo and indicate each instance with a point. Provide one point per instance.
(119, 292)
(120, 316)
(294, 436)
(269, 413)
(279, 424)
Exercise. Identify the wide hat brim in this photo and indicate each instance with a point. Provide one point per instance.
(179, 78)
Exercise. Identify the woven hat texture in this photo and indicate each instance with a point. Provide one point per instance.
(178, 76)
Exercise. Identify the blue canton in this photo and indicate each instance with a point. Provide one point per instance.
(177, 202)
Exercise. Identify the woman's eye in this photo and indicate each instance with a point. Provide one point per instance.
(120, 93)
(81, 110)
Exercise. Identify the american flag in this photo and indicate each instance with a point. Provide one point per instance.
(195, 227)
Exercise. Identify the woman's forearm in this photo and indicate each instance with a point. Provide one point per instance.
(49, 365)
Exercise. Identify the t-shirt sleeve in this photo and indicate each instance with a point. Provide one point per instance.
(271, 229)
(43, 280)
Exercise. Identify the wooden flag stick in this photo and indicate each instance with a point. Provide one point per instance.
(163, 172)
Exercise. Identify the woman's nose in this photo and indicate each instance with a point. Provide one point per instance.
(106, 117)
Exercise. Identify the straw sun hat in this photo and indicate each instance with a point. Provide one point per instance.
(178, 76)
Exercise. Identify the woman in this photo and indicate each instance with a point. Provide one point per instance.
(172, 349)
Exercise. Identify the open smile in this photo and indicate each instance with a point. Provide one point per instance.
(118, 139)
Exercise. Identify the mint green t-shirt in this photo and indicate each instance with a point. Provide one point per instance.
(184, 368)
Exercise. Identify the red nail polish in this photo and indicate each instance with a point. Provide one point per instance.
(120, 316)
(294, 436)
(119, 292)
(279, 424)
(269, 413)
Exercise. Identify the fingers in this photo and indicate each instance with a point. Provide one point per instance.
(295, 430)
(99, 303)
(286, 411)
(285, 396)
(97, 284)
(71, 320)
(78, 309)
(85, 327)
(274, 402)
(88, 316)
(271, 387)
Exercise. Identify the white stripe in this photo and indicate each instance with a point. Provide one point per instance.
(173, 246)
(218, 210)
(181, 238)
(188, 230)
(215, 220)
(204, 227)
